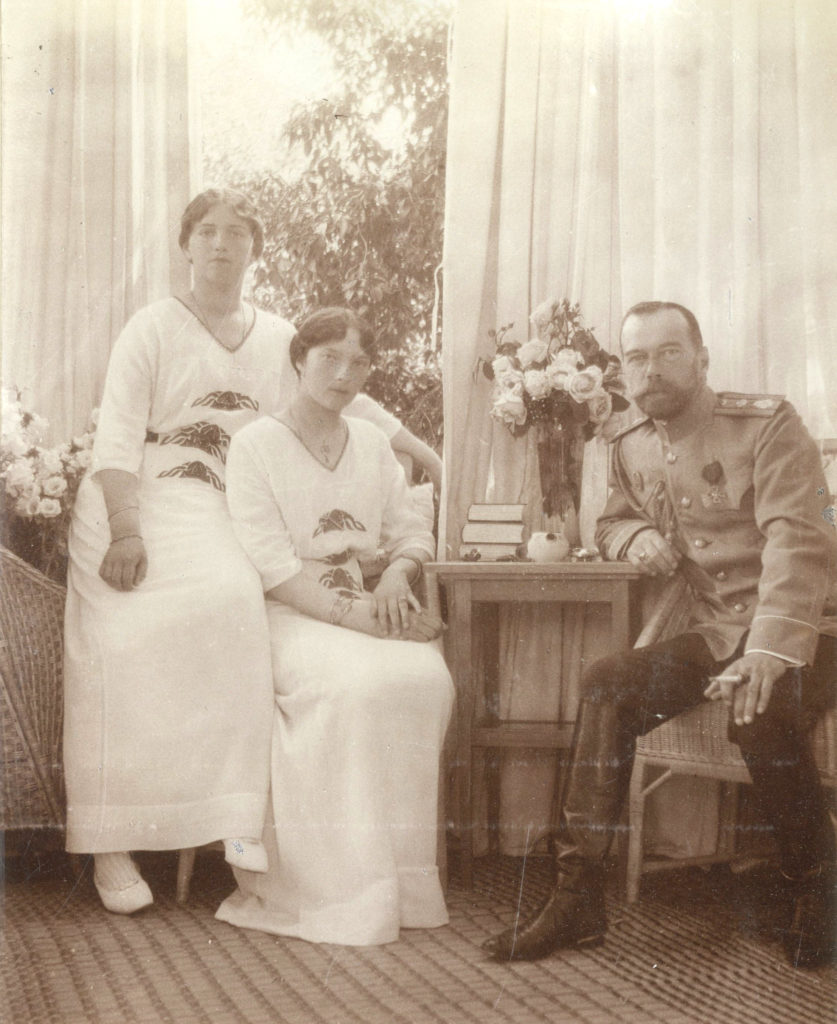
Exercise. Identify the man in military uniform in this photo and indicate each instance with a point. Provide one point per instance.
(725, 493)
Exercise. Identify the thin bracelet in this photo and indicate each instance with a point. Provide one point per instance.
(125, 508)
(339, 610)
(127, 536)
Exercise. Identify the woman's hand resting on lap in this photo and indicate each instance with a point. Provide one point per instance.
(393, 600)
(125, 564)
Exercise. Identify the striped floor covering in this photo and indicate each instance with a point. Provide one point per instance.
(697, 949)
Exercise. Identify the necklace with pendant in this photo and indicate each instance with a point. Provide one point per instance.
(204, 320)
(325, 445)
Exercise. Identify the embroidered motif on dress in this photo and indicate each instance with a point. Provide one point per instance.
(209, 437)
(341, 581)
(227, 400)
(195, 471)
(338, 558)
(337, 519)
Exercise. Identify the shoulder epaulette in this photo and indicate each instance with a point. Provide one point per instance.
(735, 403)
(631, 426)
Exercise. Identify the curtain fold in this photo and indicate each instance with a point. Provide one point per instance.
(97, 167)
(612, 153)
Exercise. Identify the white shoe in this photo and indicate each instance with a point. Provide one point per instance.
(247, 854)
(134, 897)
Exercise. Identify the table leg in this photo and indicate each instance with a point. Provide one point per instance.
(463, 677)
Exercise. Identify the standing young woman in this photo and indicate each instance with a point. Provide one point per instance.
(362, 697)
(167, 679)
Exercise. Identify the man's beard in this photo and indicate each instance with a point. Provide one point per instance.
(664, 401)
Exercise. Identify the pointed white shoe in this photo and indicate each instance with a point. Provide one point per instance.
(247, 854)
(134, 897)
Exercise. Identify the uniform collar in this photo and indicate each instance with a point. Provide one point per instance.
(697, 415)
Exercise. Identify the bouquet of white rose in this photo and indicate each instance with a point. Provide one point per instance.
(38, 486)
(562, 383)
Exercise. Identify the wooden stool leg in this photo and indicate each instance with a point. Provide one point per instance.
(185, 866)
(636, 813)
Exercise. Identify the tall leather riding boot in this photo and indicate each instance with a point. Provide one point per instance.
(594, 793)
(788, 790)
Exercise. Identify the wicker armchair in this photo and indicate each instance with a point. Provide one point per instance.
(31, 678)
(695, 743)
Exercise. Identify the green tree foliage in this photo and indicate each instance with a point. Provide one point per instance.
(355, 216)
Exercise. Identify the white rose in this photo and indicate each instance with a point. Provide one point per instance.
(27, 504)
(557, 377)
(541, 317)
(54, 486)
(537, 383)
(509, 408)
(534, 351)
(84, 458)
(585, 384)
(19, 476)
(506, 374)
(50, 462)
(567, 359)
(49, 508)
(16, 445)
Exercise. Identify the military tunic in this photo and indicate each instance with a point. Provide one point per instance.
(736, 485)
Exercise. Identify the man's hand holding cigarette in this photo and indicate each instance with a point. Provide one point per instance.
(747, 684)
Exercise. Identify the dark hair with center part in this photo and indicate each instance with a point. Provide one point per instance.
(236, 201)
(644, 309)
(330, 324)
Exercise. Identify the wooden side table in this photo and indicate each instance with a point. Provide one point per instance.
(473, 657)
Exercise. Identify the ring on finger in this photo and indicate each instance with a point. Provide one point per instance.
(643, 556)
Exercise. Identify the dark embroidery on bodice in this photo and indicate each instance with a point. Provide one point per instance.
(195, 471)
(338, 558)
(209, 437)
(227, 400)
(337, 519)
(341, 581)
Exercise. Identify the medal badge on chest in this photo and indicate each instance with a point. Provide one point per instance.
(716, 496)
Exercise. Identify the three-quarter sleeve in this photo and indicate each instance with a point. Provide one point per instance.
(256, 516)
(126, 403)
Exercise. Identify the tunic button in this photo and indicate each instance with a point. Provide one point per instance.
(721, 575)
(739, 607)
(700, 543)
(671, 457)
(686, 502)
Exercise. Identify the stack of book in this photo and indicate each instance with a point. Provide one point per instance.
(492, 532)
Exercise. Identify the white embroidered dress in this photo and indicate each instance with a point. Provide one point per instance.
(168, 688)
(359, 721)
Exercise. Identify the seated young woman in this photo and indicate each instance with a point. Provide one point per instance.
(167, 681)
(362, 694)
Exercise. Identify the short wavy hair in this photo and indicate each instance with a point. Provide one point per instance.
(236, 201)
(329, 324)
(650, 308)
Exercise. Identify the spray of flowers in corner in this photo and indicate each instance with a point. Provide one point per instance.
(38, 485)
(562, 384)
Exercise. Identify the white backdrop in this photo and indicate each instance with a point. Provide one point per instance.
(614, 152)
(95, 174)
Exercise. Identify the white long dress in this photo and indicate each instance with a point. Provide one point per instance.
(359, 721)
(168, 688)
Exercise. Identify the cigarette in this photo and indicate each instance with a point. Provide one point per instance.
(727, 679)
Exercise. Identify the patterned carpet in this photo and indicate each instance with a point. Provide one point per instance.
(698, 948)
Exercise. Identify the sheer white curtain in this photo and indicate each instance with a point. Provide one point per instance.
(96, 171)
(613, 152)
